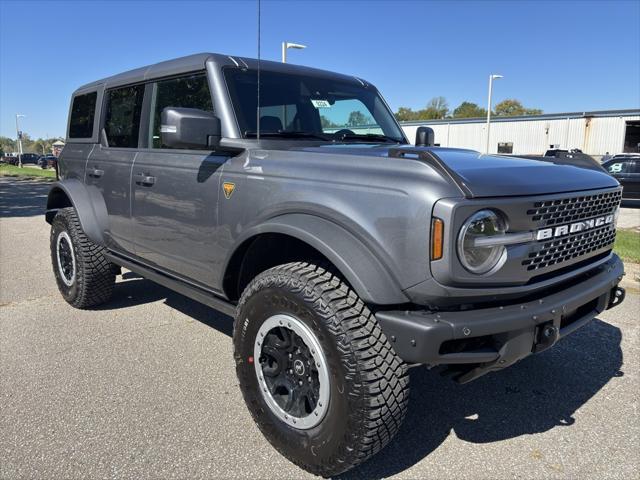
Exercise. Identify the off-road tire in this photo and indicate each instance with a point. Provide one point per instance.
(369, 383)
(94, 274)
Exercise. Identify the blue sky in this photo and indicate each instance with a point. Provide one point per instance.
(558, 56)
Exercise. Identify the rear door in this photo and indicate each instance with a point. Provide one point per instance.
(109, 165)
(175, 192)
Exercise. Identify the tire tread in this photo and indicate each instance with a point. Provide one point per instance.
(94, 273)
(376, 372)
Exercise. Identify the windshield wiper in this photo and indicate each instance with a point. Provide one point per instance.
(370, 136)
(289, 134)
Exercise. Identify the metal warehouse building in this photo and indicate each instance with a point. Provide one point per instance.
(595, 133)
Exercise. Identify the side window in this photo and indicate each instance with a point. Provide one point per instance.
(634, 167)
(184, 92)
(122, 119)
(83, 111)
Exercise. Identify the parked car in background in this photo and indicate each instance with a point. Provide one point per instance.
(626, 169)
(27, 158)
(47, 161)
(7, 158)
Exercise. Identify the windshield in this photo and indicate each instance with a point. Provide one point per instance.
(303, 106)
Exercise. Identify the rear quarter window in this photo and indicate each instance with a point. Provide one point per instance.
(83, 111)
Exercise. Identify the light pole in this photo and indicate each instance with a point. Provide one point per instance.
(287, 45)
(19, 137)
(491, 79)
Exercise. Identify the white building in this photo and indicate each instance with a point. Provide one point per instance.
(595, 133)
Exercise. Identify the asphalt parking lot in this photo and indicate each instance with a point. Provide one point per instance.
(144, 387)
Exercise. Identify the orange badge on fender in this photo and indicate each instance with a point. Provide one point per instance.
(228, 189)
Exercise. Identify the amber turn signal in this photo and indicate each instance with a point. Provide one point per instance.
(437, 238)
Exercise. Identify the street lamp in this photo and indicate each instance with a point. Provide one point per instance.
(491, 79)
(287, 45)
(19, 137)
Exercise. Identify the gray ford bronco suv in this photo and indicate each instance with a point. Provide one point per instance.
(344, 253)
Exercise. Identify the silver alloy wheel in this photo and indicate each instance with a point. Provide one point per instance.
(292, 370)
(66, 258)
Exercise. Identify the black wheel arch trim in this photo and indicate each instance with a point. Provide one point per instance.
(372, 281)
(88, 203)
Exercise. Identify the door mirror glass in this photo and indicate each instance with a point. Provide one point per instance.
(189, 128)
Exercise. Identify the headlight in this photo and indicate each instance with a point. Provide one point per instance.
(480, 256)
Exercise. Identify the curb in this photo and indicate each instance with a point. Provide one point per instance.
(631, 280)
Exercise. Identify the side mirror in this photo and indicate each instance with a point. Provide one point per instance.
(189, 128)
(425, 137)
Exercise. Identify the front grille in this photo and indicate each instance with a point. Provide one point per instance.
(567, 210)
(573, 246)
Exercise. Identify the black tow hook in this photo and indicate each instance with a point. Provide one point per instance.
(546, 336)
(616, 296)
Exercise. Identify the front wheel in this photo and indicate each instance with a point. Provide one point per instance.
(318, 375)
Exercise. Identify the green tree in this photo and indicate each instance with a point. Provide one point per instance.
(326, 123)
(29, 145)
(357, 118)
(8, 145)
(469, 110)
(512, 107)
(405, 114)
(436, 108)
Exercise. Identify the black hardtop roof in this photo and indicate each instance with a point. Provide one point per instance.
(198, 61)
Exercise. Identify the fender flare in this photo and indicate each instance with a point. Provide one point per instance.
(88, 202)
(372, 281)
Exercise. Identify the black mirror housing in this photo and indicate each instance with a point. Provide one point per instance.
(425, 137)
(189, 128)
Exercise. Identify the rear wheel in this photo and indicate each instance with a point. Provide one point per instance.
(84, 276)
(318, 375)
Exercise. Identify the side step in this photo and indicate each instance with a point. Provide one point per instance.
(191, 291)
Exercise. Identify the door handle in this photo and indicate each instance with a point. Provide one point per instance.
(146, 180)
(96, 173)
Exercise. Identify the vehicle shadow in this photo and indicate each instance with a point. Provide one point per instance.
(539, 393)
(22, 198)
(135, 290)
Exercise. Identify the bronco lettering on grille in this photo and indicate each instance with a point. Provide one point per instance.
(562, 230)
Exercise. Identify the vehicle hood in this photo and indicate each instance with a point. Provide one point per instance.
(490, 175)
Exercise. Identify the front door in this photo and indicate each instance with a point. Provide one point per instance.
(175, 192)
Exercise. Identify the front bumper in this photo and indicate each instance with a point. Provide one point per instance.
(475, 342)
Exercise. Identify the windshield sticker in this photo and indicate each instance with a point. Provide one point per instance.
(320, 103)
